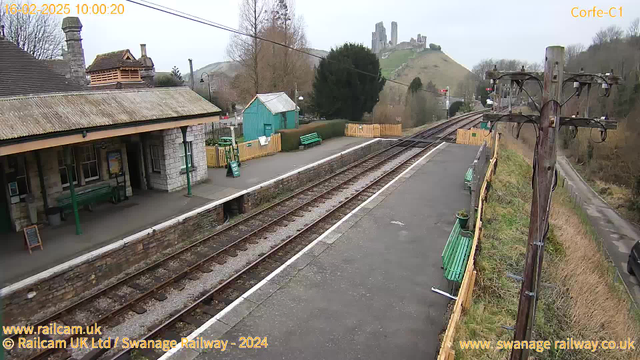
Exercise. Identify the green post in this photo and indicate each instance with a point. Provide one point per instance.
(186, 158)
(69, 165)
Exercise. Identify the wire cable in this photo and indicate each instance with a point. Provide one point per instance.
(186, 16)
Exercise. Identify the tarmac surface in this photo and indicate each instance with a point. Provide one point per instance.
(364, 289)
(618, 234)
(109, 223)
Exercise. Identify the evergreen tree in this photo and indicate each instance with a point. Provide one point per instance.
(341, 92)
(175, 72)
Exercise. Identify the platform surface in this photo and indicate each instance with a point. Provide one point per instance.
(366, 292)
(109, 223)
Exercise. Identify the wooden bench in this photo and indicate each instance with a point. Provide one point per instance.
(455, 254)
(88, 197)
(468, 178)
(310, 139)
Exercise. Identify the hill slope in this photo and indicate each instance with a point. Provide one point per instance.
(429, 65)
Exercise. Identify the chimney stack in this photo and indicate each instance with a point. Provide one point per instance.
(71, 26)
(143, 50)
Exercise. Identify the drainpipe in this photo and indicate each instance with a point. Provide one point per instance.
(43, 189)
(186, 158)
(74, 201)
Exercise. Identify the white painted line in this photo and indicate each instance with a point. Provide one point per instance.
(257, 286)
(139, 235)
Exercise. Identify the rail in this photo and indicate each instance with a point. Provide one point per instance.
(217, 249)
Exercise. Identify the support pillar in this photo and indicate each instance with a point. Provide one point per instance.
(186, 158)
(68, 160)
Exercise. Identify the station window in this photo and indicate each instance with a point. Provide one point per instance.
(189, 155)
(156, 157)
(62, 169)
(89, 162)
(17, 177)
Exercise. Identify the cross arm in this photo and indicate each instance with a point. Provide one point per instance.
(564, 120)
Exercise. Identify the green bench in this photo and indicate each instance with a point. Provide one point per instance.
(468, 178)
(456, 254)
(310, 139)
(104, 192)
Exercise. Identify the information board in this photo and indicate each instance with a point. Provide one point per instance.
(32, 237)
(233, 170)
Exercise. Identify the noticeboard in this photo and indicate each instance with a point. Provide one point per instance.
(32, 237)
(233, 169)
(114, 163)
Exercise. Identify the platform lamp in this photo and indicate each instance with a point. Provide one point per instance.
(68, 162)
(208, 83)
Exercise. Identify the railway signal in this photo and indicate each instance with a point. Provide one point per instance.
(544, 175)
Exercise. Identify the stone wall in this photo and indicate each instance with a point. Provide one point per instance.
(267, 193)
(173, 147)
(49, 159)
(90, 276)
(93, 274)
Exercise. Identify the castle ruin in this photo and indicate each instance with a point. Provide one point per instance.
(379, 41)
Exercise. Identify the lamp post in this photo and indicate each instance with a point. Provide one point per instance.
(208, 83)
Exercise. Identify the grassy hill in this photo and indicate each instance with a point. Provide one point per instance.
(429, 65)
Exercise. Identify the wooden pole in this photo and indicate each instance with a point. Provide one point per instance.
(544, 173)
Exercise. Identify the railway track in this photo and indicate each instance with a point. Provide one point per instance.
(112, 306)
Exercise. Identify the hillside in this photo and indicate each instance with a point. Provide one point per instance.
(231, 68)
(429, 65)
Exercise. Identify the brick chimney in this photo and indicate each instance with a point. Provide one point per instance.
(71, 26)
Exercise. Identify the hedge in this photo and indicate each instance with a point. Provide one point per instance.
(326, 129)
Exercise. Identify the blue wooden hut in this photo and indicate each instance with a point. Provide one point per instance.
(268, 113)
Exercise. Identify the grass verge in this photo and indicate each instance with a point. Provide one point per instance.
(581, 297)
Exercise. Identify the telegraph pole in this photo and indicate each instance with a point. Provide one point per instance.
(543, 179)
(544, 174)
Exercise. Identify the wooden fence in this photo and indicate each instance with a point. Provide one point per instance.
(372, 130)
(248, 150)
(474, 136)
(463, 302)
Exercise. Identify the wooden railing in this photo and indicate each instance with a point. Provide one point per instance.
(463, 302)
(248, 150)
(372, 130)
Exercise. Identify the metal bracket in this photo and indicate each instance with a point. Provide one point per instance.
(531, 294)
(510, 328)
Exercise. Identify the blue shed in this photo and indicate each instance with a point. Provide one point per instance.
(268, 113)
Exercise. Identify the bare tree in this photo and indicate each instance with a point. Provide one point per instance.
(38, 34)
(571, 53)
(286, 67)
(481, 68)
(246, 50)
(634, 28)
(533, 67)
(609, 34)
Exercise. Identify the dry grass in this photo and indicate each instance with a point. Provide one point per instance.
(582, 298)
(600, 307)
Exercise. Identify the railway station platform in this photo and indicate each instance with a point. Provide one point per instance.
(363, 289)
(109, 223)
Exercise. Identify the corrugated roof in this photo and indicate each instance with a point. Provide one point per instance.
(32, 115)
(21, 73)
(277, 102)
(114, 60)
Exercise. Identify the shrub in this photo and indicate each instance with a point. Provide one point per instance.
(326, 129)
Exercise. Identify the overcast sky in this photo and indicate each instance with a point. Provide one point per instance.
(468, 31)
